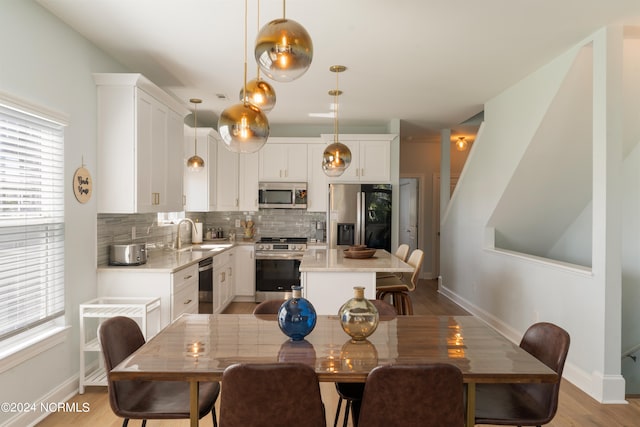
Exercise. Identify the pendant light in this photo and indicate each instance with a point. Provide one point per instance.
(283, 49)
(461, 143)
(195, 163)
(259, 92)
(337, 156)
(244, 128)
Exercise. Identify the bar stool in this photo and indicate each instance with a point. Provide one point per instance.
(399, 288)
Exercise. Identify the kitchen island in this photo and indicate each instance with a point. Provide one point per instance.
(328, 277)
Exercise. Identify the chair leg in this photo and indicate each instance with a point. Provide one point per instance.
(335, 422)
(144, 423)
(213, 415)
(346, 413)
(125, 422)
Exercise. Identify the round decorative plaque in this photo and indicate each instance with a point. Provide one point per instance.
(82, 184)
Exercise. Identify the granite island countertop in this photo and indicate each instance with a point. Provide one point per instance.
(333, 260)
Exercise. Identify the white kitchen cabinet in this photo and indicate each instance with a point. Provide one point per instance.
(178, 291)
(227, 179)
(245, 273)
(248, 182)
(200, 187)
(223, 277)
(317, 184)
(283, 161)
(139, 166)
(370, 158)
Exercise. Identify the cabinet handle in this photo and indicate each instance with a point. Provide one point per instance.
(223, 275)
(362, 172)
(187, 302)
(286, 173)
(188, 277)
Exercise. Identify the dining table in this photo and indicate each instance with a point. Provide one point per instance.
(199, 347)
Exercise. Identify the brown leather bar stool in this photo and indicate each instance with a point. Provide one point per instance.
(531, 404)
(146, 400)
(268, 307)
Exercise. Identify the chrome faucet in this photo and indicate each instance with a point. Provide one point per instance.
(178, 244)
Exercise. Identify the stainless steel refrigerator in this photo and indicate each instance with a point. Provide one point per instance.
(359, 214)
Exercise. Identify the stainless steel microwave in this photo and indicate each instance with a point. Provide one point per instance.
(282, 195)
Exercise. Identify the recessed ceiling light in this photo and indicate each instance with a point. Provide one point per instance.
(221, 96)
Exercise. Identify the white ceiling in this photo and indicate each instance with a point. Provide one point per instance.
(430, 63)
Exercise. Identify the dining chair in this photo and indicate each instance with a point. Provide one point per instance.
(399, 288)
(120, 337)
(413, 395)
(272, 394)
(532, 404)
(351, 393)
(270, 306)
(402, 253)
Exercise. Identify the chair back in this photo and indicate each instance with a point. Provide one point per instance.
(385, 310)
(265, 395)
(415, 260)
(119, 338)
(549, 343)
(268, 307)
(416, 395)
(402, 252)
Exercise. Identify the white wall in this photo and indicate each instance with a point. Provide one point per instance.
(47, 64)
(512, 291)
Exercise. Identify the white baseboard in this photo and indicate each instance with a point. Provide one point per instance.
(607, 389)
(60, 394)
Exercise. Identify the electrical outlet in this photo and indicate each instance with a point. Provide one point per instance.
(237, 223)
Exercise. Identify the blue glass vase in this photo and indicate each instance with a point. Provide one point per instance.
(296, 316)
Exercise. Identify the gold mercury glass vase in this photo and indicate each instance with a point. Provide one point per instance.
(358, 316)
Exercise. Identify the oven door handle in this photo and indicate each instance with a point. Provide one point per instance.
(279, 256)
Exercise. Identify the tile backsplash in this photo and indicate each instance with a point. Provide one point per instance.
(144, 228)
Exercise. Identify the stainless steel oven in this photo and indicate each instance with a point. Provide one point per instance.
(277, 266)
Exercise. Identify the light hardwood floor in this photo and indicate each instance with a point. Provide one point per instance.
(576, 409)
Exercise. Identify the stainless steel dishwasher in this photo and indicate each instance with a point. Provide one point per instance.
(205, 286)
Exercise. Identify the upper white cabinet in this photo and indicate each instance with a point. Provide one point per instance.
(283, 159)
(139, 152)
(227, 179)
(200, 186)
(370, 158)
(317, 184)
(248, 182)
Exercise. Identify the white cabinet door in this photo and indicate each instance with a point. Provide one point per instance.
(352, 174)
(245, 273)
(227, 179)
(139, 152)
(283, 162)
(317, 184)
(173, 175)
(222, 280)
(248, 182)
(184, 292)
(199, 186)
(375, 161)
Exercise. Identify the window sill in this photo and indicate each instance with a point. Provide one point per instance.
(20, 350)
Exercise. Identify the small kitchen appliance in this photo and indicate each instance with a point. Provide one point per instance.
(128, 254)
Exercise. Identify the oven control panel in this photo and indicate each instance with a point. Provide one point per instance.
(281, 247)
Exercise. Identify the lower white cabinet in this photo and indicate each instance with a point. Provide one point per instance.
(223, 277)
(245, 273)
(178, 291)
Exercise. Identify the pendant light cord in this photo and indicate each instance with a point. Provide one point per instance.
(195, 124)
(244, 86)
(335, 117)
(284, 9)
(258, 28)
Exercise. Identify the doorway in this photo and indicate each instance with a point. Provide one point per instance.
(409, 212)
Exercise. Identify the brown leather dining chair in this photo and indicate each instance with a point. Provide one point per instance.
(351, 393)
(146, 400)
(399, 288)
(273, 394)
(532, 404)
(413, 395)
(270, 306)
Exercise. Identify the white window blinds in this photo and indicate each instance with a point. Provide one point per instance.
(31, 220)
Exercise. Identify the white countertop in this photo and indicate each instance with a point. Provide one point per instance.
(326, 260)
(169, 261)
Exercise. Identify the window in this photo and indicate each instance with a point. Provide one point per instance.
(31, 220)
